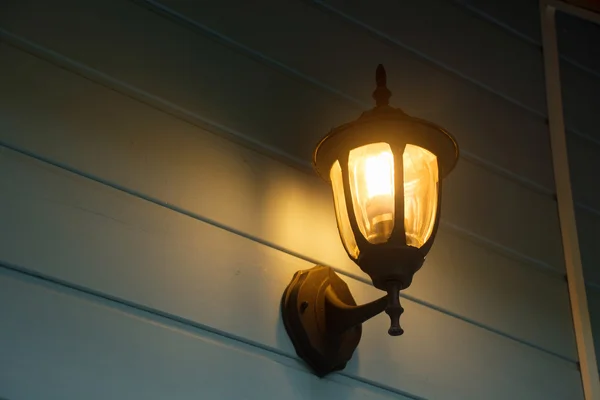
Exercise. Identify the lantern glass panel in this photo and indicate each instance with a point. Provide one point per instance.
(371, 174)
(420, 194)
(341, 211)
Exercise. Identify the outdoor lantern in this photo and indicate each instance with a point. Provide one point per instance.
(385, 170)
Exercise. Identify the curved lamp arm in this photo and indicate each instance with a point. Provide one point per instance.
(340, 316)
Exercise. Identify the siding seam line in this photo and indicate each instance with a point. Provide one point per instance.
(382, 36)
(503, 26)
(493, 21)
(274, 246)
(171, 109)
(182, 20)
(439, 65)
(203, 30)
(161, 105)
(154, 315)
(593, 286)
(168, 107)
(566, 209)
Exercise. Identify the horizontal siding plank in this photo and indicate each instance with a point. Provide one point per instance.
(219, 181)
(504, 63)
(187, 68)
(580, 66)
(581, 99)
(81, 124)
(593, 297)
(84, 233)
(481, 274)
(523, 18)
(584, 163)
(588, 232)
(486, 204)
(502, 211)
(60, 344)
(460, 40)
(418, 86)
(435, 29)
(576, 40)
(215, 82)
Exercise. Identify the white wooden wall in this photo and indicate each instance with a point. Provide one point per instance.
(156, 198)
(580, 74)
(575, 34)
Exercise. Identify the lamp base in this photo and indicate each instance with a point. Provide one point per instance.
(304, 318)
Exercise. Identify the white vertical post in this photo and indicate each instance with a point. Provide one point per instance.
(566, 211)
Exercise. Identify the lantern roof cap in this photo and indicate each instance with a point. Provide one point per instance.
(384, 123)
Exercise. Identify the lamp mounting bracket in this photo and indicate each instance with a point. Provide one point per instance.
(323, 320)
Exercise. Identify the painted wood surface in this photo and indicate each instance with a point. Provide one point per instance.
(458, 39)
(580, 74)
(522, 19)
(584, 164)
(480, 202)
(574, 31)
(67, 345)
(451, 35)
(439, 40)
(311, 79)
(441, 32)
(160, 213)
(577, 40)
(497, 59)
(593, 297)
(588, 192)
(112, 244)
(126, 68)
(532, 163)
(200, 174)
(588, 227)
(566, 207)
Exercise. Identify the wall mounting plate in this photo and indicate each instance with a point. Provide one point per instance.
(304, 318)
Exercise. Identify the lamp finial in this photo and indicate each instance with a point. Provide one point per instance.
(381, 94)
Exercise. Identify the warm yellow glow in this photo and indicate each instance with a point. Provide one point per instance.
(371, 173)
(379, 175)
(420, 194)
(341, 212)
(372, 186)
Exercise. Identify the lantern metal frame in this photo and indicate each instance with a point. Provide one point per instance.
(318, 310)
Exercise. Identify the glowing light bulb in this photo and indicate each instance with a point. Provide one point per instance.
(379, 175)
(371, 171)
(372, 186)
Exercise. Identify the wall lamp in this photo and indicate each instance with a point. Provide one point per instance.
(385, 169)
